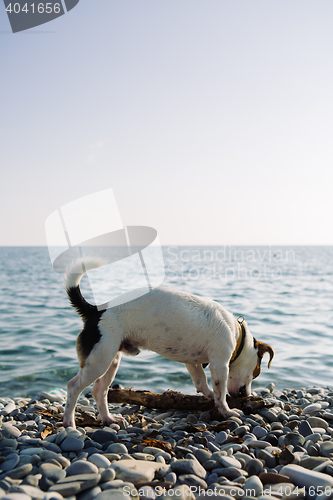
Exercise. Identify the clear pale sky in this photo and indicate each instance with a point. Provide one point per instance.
(212, 120)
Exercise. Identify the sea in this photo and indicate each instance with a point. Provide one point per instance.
(285, 294)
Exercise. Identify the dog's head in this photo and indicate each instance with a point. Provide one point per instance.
(247, 366)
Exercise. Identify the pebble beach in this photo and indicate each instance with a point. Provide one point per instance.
(281, 452)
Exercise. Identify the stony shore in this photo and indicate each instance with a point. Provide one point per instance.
(284, 452)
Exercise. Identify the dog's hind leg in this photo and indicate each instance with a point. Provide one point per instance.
(200, 380)
(96, 365)
(100, 391)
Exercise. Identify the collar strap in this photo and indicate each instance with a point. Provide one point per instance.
(240, 341)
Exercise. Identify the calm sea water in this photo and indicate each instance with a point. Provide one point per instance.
(285, 294)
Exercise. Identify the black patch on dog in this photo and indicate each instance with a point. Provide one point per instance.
(84, 309)
(88, 338)
(90, 335)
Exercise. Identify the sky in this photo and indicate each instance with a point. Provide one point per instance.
(211, 120)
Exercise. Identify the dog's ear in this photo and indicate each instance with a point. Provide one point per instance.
(262, 349)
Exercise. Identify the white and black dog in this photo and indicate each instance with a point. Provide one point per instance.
(177, 325)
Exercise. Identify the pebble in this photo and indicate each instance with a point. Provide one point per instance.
(104, 436)
(10, 463)
(221, 437)
(230, 462)
(135, 471)
(192, 480)
(99, 460)
(81, 467)
(307, 478)
(305, 428)
(326, 448)
(254, 483)
(317, 422)
(312, 408)
(259, 432)
(294, 439)
(72, 444)
(188, 466)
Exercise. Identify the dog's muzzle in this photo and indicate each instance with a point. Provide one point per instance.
(240, 394)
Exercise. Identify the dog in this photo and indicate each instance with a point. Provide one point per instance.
(177, 325)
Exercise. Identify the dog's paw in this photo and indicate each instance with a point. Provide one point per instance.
(208, 394)
(112, 419)
(227, 413)
(234, 413)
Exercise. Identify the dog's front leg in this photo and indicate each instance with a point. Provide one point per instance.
(220, 374)
(200, 380)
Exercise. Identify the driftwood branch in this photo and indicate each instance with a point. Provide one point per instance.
(171, 400)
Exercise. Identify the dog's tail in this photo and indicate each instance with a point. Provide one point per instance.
(72, 285)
